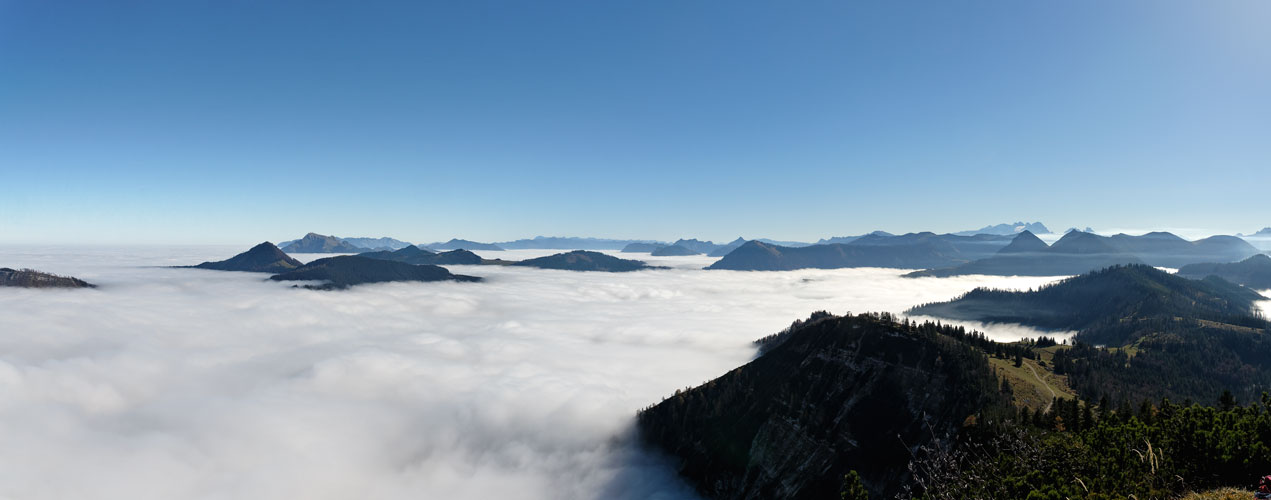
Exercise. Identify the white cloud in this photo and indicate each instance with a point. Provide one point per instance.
(180, 383)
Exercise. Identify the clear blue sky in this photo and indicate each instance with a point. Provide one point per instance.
(235, 122)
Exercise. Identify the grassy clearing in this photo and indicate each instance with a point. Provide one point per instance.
(1220, 494)
(1028, 390)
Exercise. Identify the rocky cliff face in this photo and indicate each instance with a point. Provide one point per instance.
(837, 394)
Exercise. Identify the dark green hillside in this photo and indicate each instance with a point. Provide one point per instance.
(348, 270)
(1254, 272)
(1112, 294)
(584, 260)
(837, 394)
(262, 258)
(410, 254)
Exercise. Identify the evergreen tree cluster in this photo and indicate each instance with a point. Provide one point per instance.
(1079, 450)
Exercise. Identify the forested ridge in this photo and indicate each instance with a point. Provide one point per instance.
(1154, 379)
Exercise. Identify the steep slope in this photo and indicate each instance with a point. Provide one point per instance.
(317, 243)
(30, 278)
(584, 260)
(837, 394)
(1115, 293)
(1254, 272)
(348, 270)
(674, 250)
(727, 248)
(262, 258)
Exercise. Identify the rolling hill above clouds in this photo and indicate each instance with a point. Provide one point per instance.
(262, 258)
(1133, 291)
(30, 278)
(418, 256)
(1254, 272)
(344, 271)
(674, 250)
(584, 260)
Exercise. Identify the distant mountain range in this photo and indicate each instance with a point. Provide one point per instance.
(382, 243)
(1078, 252)
(642, 247)
(914, 250)
(377, 243)
(568, 243)
(348, 270)
(456, 244)
(849, 239)
(1266, 231)
(1008, 229)
(262, 258)
(30, 278)
(1254, 272)
(317, 243)
(583, 260)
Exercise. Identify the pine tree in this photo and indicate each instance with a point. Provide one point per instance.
(853, 489)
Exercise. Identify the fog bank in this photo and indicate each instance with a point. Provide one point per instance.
(184, 383)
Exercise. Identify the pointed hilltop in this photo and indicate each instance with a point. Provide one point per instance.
(318, 243)
(1081, 242)
(1026, 242)
(262, 258)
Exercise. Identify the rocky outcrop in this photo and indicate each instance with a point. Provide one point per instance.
(30, 278)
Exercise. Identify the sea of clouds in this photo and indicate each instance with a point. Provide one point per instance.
(182, 383)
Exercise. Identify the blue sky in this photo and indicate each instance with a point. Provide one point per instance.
(235, 122)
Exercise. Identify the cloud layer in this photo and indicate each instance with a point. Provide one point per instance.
(182, 383)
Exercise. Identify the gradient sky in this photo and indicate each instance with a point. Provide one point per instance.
(236, 122)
